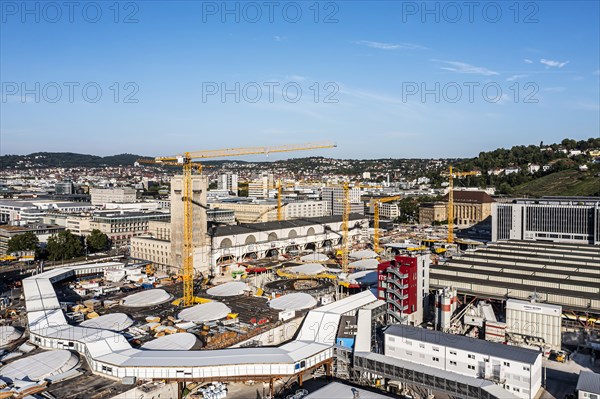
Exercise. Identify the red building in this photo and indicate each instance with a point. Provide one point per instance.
(398, 285)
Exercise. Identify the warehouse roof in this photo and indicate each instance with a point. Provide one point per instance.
(589, 382)
(465, 343)
(281, 224)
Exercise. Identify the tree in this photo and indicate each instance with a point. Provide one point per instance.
(64, 245)
(23, 242)
(97, 241)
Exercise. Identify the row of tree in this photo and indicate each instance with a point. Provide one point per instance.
(61, 246)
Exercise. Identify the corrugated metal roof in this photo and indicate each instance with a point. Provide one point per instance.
(589, 382)
(465, 343)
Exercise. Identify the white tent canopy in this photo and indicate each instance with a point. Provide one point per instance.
(364, 254)
(8, 334)
(365, 264)
(40, 366)
(314, 257)
(179, 341)
(363, 277)
(228, 289)
(111, 321)
(295, 301)
(146, 298)
(208, 311)
(308, 269)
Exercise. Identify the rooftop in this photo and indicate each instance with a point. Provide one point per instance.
(589, 382)
(475, 197)
(470, 344)
(279, 225)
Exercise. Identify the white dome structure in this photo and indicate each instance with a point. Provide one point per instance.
(111, 321)
(228, 289)
(308, 269)
(314, 257)
(365, 264)
(208, 311)
(175, 342)
(146, 298)
(41, 366)
(8, 335)
(364, 254)
(363, 277)
(295, 301)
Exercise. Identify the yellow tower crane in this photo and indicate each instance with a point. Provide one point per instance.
(346, 219)
(376, 202)
(451, 177)
(186, 161)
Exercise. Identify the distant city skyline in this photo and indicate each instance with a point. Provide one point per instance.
(381, 79)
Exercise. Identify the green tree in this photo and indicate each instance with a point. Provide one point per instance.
(23, 242)
(97, 241)
(64, 245)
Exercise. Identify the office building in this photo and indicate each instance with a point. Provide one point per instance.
(574, 220)
(228, 182)
(335, 199)
(102, 196)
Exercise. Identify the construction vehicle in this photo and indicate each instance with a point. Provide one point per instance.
(376, 203)
(186, 161)
(559, 356)
(150, 270)
(451, 177)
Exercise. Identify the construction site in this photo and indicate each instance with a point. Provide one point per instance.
(277, 303)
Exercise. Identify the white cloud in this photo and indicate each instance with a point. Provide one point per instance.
(528, 61)
(462, 67)
(597, 72)
(391, 46)
(515, 77)
(553, 64)
(279, 38)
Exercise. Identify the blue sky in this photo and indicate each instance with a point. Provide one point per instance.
(373, 59)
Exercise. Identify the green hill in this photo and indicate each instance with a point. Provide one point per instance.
(565, 182)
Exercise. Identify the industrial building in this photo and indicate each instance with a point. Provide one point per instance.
(530, 322)
(559, 274)
(403, 283)
(574, 220)
(517, 370)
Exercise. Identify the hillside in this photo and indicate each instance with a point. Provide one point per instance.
(64, 160)
(565, 182)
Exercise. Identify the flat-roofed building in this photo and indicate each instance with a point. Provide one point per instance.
(588, 385)
(121, 226)
(42, 231)
(558, 274)
(102, 196)
(517, 370)
(574, 220)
